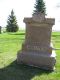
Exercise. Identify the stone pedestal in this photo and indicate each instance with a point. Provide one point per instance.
(37, 49)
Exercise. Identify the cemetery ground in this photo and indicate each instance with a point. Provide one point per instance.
(10, 43)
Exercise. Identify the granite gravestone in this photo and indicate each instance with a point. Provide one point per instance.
(37, 48)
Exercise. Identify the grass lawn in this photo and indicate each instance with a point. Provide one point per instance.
(10, 43)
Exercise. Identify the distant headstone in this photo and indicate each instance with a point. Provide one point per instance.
(37, 49)
(0, 29)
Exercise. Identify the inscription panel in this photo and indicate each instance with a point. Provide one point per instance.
(41, 35)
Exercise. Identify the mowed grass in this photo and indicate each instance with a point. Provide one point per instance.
(10, 43)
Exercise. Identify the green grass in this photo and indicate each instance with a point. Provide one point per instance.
(10, 43)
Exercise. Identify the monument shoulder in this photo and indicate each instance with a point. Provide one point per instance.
(45, 21)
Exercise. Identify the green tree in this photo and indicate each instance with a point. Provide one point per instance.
(12, 25)
(40, 7)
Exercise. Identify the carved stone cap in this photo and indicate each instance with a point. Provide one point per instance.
(38, 16)
(50, 21)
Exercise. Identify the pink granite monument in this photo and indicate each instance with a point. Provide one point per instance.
(37, 48)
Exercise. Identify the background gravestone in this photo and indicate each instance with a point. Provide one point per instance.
(0, 29)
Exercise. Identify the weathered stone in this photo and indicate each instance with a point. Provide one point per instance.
(39, 17)
(37, 49)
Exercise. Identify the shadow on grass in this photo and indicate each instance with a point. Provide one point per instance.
(16, 33)
(20, 34)
(20, 72)
(56, 35)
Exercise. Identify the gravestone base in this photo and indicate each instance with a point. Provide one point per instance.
(43, 61)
